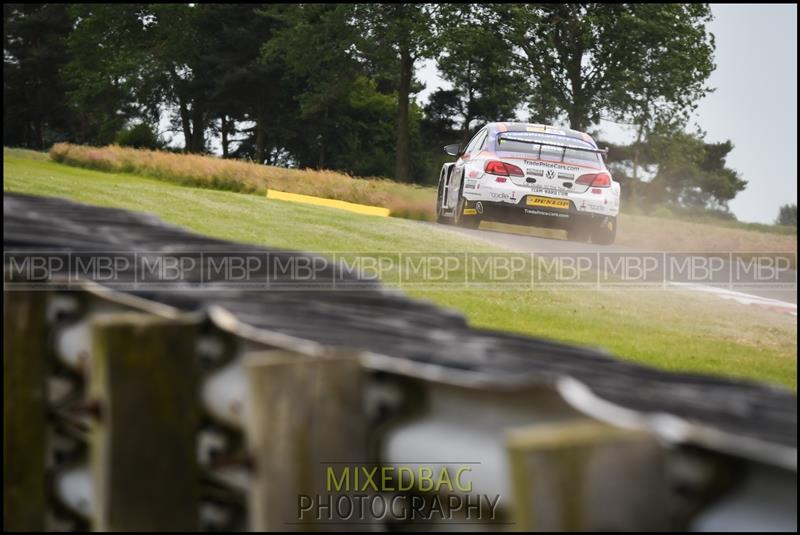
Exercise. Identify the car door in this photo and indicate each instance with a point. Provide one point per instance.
(457, 173)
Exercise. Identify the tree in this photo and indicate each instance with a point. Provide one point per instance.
(34, 94)
(479, 64)
(244, 87)
(677, 59)
(623, 59)
(691, 172)
(153, 53)
(787, 215)
(683, 170)
(102, 78)
(365, 120)
(139, 136)
(392, 38)
(315, 47)
(176, 66)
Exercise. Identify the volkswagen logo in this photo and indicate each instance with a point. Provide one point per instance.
(551, 173)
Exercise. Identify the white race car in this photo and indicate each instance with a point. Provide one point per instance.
(531, 174)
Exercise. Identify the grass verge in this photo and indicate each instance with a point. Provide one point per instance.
(670, 329)
(404, 200)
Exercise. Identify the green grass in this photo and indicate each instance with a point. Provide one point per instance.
(685, 331)
(25, 154)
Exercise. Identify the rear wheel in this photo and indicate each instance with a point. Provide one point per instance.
(606, 232)
(440, 217)
(459, 218)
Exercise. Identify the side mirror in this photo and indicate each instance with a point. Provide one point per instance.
(453, 150)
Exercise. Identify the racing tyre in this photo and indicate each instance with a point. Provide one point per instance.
(440, 217)
(468, 221)
(606, 232)
(578, 231)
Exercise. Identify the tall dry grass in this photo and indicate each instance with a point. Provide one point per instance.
(403, 200)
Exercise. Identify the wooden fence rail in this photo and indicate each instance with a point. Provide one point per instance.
(143, 392)
(24, 410)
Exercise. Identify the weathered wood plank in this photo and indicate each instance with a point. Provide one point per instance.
(24, 409)
(587, 476)
(143, 448)
(306, 415)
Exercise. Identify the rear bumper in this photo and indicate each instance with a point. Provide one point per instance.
(593, 202)
(522, 213)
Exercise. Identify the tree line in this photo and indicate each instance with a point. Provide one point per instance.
(333, 85)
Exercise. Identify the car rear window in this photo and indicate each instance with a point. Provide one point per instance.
(505, 142)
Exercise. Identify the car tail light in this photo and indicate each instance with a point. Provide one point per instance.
(503, 169)
(597, 180)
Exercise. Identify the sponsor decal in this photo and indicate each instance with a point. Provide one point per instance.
(470, 184)
(553, 136)
(592, 206)
(535, 172)
(548, 202)
(496, 195)
(549, 190)
(533, 211)
(566, 176)
(551, 165)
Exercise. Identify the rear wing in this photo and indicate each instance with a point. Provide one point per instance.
(556, 145)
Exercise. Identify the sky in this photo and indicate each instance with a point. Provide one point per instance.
(754, 104)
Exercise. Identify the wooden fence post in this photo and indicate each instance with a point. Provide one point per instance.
(587, 476)
(306, 415)
(143, 449)
(24, 409)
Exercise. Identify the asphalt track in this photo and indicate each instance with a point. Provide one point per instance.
(753, 294)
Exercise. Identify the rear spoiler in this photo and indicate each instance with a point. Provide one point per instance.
(556, 145)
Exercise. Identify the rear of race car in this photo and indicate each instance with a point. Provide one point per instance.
(546, 177)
